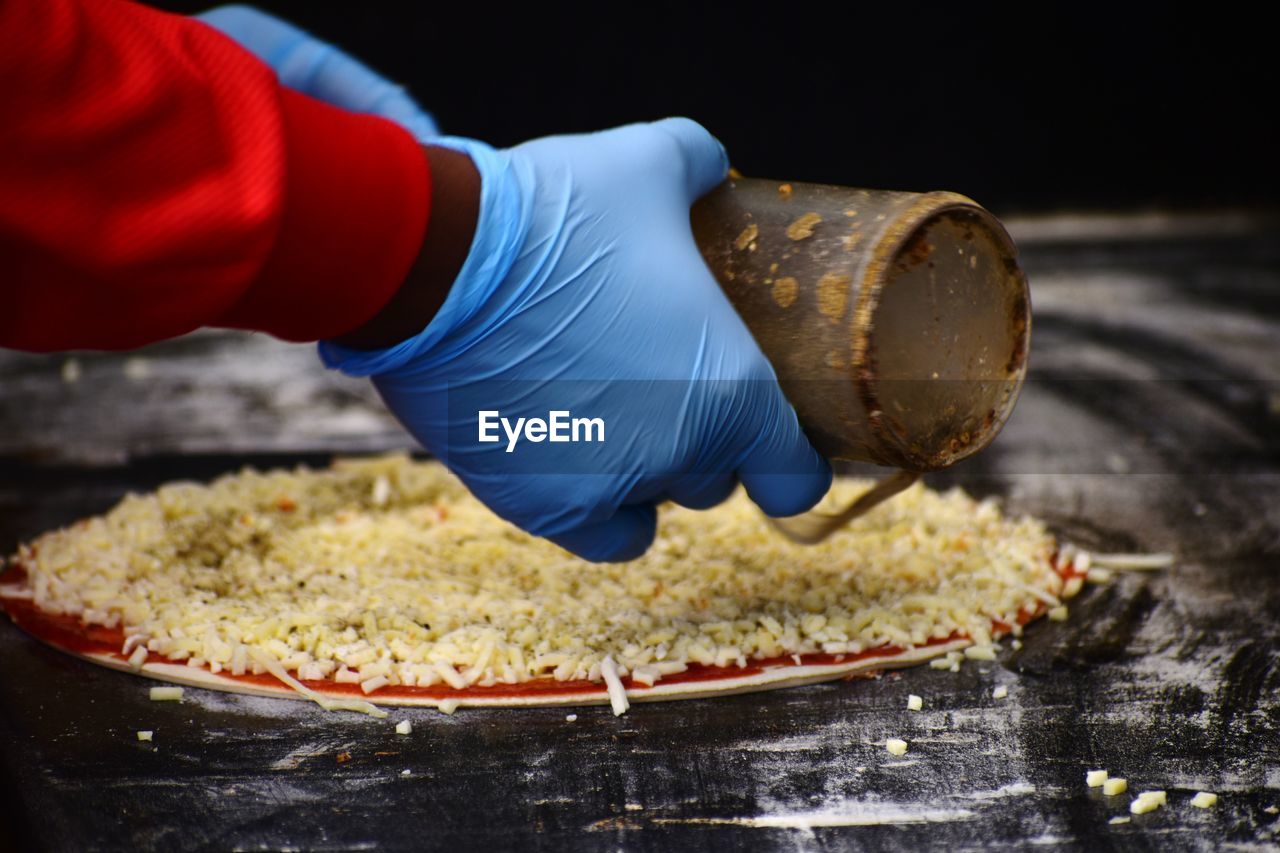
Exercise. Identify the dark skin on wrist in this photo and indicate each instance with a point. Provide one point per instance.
(455, 206)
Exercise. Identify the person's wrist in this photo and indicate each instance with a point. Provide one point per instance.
(455, 205)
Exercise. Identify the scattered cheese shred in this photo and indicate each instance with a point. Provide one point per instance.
(166, 694)
(387, 572)
(914, 702)
(1118, 819)
(1095, 778)
(273, 666)
(1113, 787)
(404, 727)
(1148, 801)
(448, 706)
(1001, 692)
(980, 652)
(145, 735)
(1059, 613)
(1204, 800)
(1133, 562)
(896, 746)
(617, 693)
(571, 718)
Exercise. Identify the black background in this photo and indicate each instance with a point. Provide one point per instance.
(1026, 108)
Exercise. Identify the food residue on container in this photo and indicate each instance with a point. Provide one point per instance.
(784, 190)
(914, 702)
(896, 746)
(802, 228)
(851, 240)
(166, 694)
(833, 293)
(747, 237)
(785, 291)
(404, 727)
(1001, 692)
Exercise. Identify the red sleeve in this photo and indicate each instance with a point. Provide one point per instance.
(156, 178)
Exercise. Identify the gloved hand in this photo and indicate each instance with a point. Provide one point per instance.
(584, 292)
(320, 70)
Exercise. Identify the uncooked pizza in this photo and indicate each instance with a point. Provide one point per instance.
(383, 582)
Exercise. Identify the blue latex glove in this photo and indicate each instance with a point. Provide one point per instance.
(584, 292)
(317, 69)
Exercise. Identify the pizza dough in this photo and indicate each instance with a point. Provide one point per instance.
(384, 581)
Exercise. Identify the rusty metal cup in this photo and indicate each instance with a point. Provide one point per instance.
(898, 323)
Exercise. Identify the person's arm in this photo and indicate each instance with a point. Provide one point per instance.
(157, 178)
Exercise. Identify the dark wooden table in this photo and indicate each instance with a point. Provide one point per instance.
(1151, 423)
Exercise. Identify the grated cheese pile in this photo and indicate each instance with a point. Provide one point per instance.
(387, 572)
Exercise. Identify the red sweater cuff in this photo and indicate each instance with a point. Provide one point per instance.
(357, 200)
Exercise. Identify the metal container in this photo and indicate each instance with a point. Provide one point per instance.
(898, 323)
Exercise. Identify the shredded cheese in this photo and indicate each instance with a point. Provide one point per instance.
(1059, 613)
(1133, 562)
(404, 727)
(387, 572)
(571, 718)
(914, 702)
(166, 694)
(1204, 800)
(273, 666)
(1114, 787)
(896, 746)
(617, 693)
(1148, 801)
(145, 735)
(448, 706)
(1095, 778)
(1001, 692)
(983, 652)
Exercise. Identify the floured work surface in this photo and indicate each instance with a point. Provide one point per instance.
(1148, 426)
